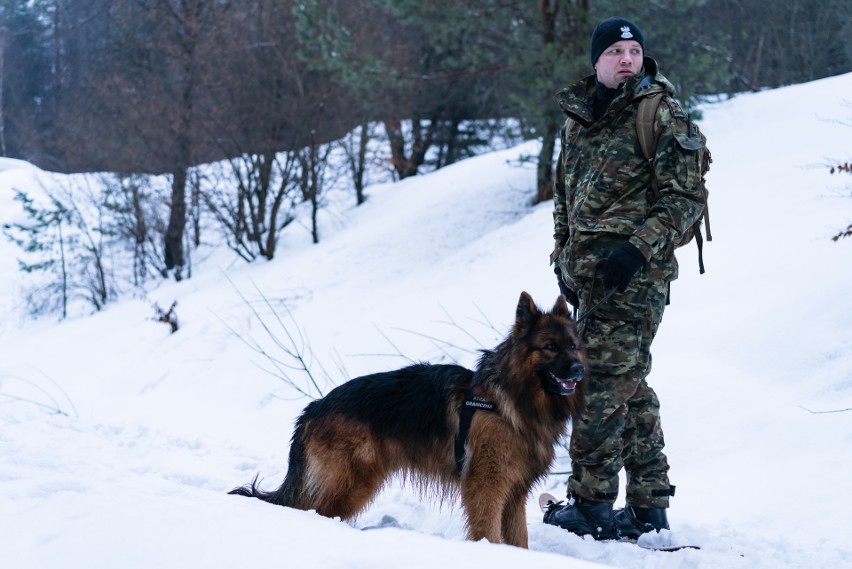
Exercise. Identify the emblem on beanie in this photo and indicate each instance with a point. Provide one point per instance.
(625, 32)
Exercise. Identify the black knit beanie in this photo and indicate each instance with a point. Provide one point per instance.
(611, 30)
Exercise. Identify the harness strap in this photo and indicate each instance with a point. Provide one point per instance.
(469, 406)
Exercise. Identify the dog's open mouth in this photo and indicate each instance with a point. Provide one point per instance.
(566, 385)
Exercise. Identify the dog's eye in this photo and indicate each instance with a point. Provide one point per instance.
(551, 347)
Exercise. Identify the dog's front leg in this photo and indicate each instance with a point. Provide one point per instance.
(483, 508)
(515, 519)
(486, 491)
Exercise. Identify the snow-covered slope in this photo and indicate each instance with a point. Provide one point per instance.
(155, 428)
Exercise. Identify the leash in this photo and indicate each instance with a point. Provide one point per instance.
(597, 305)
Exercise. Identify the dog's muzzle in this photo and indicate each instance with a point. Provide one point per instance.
(568, 385)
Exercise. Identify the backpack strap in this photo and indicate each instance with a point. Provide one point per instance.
(569, 124)
(648, 138)
(645, 115)
(699, 241)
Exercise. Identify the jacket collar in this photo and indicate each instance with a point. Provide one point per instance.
(576, 100)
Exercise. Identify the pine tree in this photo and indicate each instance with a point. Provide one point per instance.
(45, 242)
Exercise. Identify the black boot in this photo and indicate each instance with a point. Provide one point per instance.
(583, 517)
(631, 522)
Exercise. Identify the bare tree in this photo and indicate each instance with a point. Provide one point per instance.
(313, 161)
(263, 205)
(560, 43)
(846, 168)
(134, 205)
(143, 92)
(406, 161)
(190, 20)
(355, 149)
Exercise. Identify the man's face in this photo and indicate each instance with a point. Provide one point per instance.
(618, 62)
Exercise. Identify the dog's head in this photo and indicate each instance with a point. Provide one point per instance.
(552, 345)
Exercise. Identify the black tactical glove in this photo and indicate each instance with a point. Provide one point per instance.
(623, 262)
(569, 294)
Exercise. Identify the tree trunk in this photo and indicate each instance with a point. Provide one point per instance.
(406, 167)
(173, 239)
(361, 163)
(393, 128)
(758, 60)
(544, 171)
(544, 175)
(4, 35)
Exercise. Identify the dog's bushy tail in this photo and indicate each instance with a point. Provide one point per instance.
(290, 491)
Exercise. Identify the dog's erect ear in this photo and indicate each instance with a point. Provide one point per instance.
(561, 307)
(526, 313)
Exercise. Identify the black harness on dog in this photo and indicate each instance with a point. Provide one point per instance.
(470, 405)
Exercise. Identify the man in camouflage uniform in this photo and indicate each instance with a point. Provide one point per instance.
(614, 231)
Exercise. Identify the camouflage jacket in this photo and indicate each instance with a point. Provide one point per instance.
(603, 193)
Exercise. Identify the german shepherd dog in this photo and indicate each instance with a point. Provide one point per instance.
(412, 421)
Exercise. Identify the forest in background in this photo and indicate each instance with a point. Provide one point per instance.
(154, 86)
(273, 89)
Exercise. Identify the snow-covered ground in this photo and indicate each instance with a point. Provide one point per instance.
(155, 428)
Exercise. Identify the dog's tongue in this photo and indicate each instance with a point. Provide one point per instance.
(567, 387)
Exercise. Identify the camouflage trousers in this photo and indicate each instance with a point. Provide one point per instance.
(619, 422)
